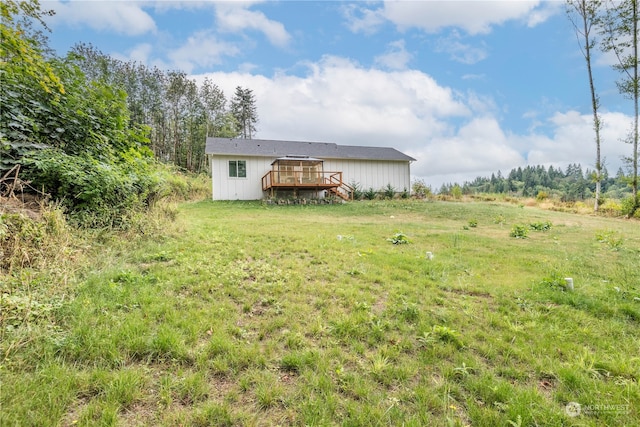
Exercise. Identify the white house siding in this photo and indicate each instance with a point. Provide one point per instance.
(376, 174)
(228, 188)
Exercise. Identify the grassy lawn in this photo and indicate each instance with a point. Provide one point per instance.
(247, 314)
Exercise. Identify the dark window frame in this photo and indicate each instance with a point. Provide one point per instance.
(237, 168)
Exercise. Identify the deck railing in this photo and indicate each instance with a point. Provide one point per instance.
(275, 178)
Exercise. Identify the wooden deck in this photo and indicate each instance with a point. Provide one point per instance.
(314, 181)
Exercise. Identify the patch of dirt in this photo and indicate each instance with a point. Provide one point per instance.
(469, 292)
(379, 306)
(547, 384)
(25, 204)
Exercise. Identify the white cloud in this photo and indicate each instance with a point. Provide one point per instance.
(342, 102)
(478, 145)
(573, 140)
(235, 17)
(363, 20)
(461, 52)
(395, 58)
(474, 17)
(201, 49)
(474, 76)
(454, 136)
(482, 148)
(545, 11)
(127, 18)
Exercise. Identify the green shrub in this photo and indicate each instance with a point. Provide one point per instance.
(421, 190)
(179, 186)
(358, 194)
(542, 195)
(610, 238)
(447, 335)
(456, 192)
(611, 207)
(554, 281)
(540, 226)
(398, 239)
(629, 206)
(95, 193)
(389, 192)
(519, 231)
(370, 194)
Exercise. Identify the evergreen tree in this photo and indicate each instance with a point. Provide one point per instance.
(243, 108)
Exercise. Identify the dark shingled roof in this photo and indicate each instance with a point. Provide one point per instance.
(323, 150)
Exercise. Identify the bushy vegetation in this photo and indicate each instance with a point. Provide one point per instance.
(72, 137)
(94, 193)
(421, 190)
(387, 192)
(32, 243)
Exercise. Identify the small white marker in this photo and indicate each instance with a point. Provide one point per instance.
(569, 282)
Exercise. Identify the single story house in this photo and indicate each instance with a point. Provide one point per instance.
(252, 169)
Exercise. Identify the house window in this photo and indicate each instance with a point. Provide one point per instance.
(237, 169)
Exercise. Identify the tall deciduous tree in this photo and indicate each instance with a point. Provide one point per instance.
(177, 97)
(21, 47)
(28, 81)
(583, 15)
(243, 108)
(214, 103)
(619, 28)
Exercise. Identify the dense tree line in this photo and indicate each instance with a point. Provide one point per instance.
(570, 184)
(178, 113)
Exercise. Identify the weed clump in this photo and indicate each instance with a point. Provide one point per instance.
(399, 239)
(554, 281)
(447, 335)
(519, 231)
(610, 238)
(540, 226)
(31, 242)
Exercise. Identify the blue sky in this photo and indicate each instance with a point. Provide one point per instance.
(465, 87)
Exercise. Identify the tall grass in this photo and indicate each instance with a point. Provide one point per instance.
(252, 314)
(42, 255)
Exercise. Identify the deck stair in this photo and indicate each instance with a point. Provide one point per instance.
(344, 191)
